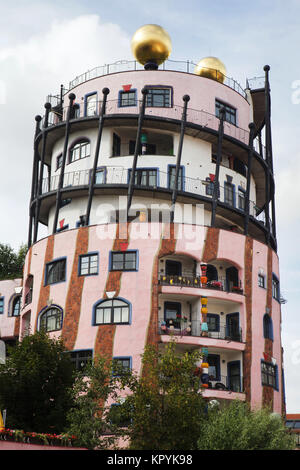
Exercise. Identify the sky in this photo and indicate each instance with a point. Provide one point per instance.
(46, 43)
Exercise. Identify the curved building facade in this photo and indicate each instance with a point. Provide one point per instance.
(157, 191)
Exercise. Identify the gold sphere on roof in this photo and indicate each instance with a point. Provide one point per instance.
(151, 43)
(211, 67)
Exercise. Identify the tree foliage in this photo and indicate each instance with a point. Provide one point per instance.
(236, 427)
(35, 384)
(11, 262)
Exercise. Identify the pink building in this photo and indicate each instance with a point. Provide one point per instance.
(156, 187)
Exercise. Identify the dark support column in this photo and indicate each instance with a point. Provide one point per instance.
(105, 92)
(215, 195)
(41, 173)
(33, 179)
(137, 149)
(186, 99)
(64, 157)
(249, 169)
(269, 149)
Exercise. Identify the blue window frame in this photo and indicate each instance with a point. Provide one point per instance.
(171, 177)
(51, 319)
(118, 416)
(121, 363)
(88, 264)
(16, 306)
(275, 288)
(268, 327)
(269, 374)
(112, 311)
(55, 271)
(147, 177)
(124, 260)
(91, 104)
(1, 305)
(127, 98)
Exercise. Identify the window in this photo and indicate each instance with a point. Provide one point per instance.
(261, 280)
(91, 104)
(116, 150)
(55, 272)
(127, 98)
(145, 177)
(229, 194)
(268, 327)
(100, 176)
(81, 358)
(209, 187)
(51, 319)
(213, 322)
(241, 199)
(16, 306)
(275, 288)
(88, 264)
(230, 112)
(171, 177)
(111, 312)
(59, 159)
(80, 150)
(268, 374)
(1, 305)
(239, 167)
(121, 364)
(159, 97)
(123, 260)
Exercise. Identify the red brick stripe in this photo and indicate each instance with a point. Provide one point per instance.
(248, 310)
(268, 392)
(211, 245)
(45, 290)
(73, 300)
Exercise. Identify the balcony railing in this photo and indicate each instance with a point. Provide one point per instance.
(227, 383)
(195, 281)
(131, 65)
(193, 328)
(196, 116)
(119, 176)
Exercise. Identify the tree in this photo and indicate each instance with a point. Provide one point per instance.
(11, 263)
(165, 406)
(236, 427)
(89, 418)
(35, 384)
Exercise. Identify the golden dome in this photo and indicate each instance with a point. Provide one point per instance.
(151, 43)
(211, 67)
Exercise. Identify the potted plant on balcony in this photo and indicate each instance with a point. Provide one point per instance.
(237, 289)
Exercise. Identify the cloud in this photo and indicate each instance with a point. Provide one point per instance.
(31, 70)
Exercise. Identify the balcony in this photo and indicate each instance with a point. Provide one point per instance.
(226, 383)
(184, 327)
(195, 281)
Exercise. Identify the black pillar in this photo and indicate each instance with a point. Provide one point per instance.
(186, 99)
(137, 149)
(105, 92)
(33, 179)
(41, 173)
(249, 169)
(64, 156)
(215, 195)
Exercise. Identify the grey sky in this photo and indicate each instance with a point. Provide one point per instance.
(45, 43)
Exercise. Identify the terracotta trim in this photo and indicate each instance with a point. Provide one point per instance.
(211, 244)
(268, 392)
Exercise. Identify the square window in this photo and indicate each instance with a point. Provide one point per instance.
(55, 272)
(88, 264)
(127, 98)
(123, 261)
(81, 358)
(120, 364)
